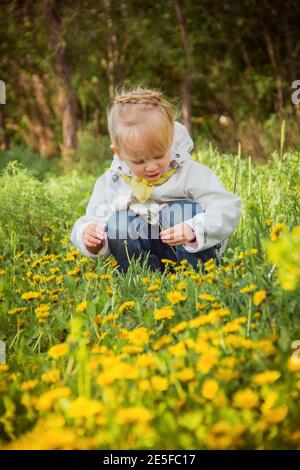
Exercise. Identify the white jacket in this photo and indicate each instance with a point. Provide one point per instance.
(192, 181)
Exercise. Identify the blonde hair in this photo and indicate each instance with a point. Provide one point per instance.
(141, 122)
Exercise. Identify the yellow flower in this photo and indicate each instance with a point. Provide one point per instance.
(276, 415)
(175, 297)
(208, 297)
(51, 376)
(274, 234)
(267, 377)
(294, 363)
(162, 341)
(118, 371)
(139, 336)
(270, 400)
(81, 307)
(208, 360)
(134, 414)
(148, 361)
(105, 276)
(42, 311)
(46, 400)
(178, 349)
(181, 285)
(224, 435)
(126, 306)
(231, 327)
(184, 262)
(179, 327)
(154, 288)
(16, 310)
(53, 297)
(168, 262)
(31, 295)
(84, 408)
(245, 399)
(185, 374)
(249, 288)
(210, 389)
(159, 384)
(91, 276)
(226, 374)
(210, 318)
(131, 349)
(259, 297)
(29, 385)
(2, 272)
(164, 312)
(74, 271)
(59, 350)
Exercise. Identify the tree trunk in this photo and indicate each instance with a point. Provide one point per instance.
(274, 63)
(290, 56)
(4, 139)
(34, 106)
(114, 59)
(186, 88)
(47, 138)
(68, 101)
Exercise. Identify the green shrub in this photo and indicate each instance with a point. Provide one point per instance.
(31, 216)
(38, 165)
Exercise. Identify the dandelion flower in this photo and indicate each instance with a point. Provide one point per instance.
(175, 297)
(126, 306)
(164, 312)
(81, 307)
(208, 297)
(259, 297)
(31, 295)
(210, 389)
(276, 230)
(245, 399)
(267, 377)
(59, 350)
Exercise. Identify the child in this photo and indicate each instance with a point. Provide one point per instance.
(155, 200)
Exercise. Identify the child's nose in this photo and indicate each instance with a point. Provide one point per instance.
(151, 167)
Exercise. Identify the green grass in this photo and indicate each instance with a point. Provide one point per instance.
(126, 379)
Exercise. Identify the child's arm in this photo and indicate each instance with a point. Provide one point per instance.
(222, 208)
(97, 212)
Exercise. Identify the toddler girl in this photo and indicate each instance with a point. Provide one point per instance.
(155, 201)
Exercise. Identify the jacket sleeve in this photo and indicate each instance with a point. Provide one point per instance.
(97, 212)
(221, 210)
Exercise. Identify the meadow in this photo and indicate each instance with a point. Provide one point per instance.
(183, 360)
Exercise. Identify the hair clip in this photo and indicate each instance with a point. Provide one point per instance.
(174, 164)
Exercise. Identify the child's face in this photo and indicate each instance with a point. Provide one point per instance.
(151, 168)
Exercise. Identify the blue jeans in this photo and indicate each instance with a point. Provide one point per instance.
(130, 236)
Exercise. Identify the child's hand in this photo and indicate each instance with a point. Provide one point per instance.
(93, 238)
(178, 235)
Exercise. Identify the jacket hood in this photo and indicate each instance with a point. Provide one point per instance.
(180, 151)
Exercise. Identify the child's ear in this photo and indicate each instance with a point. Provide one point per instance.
(115, 150)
